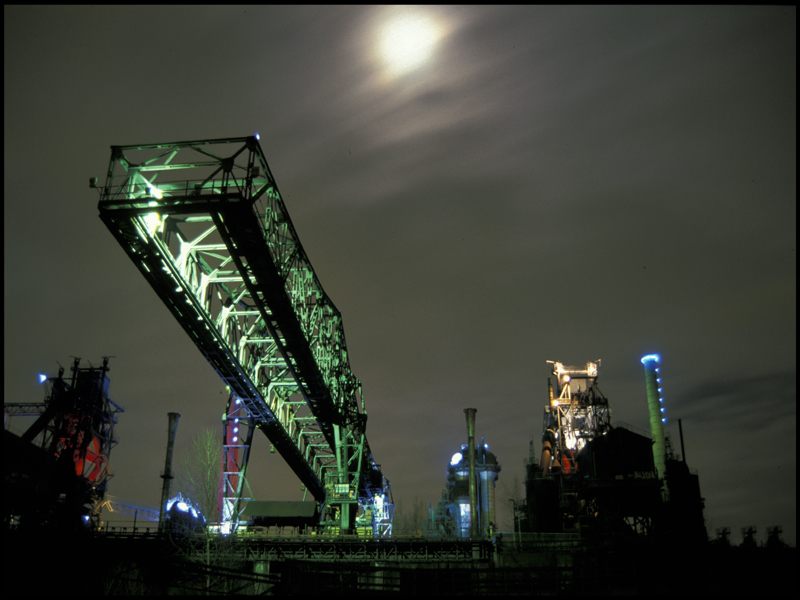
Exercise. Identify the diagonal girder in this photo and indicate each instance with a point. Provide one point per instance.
(205, 224)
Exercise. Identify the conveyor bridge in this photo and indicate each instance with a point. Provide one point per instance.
(205, 224)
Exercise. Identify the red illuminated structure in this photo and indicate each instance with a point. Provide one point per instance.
(237, 438)
(72, 436)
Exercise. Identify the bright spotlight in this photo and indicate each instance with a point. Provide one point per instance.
(152, 222)
(155, 192)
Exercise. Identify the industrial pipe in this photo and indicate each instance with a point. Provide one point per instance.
(683, 450)
(172, 429)
(548, 439)
(473, 489)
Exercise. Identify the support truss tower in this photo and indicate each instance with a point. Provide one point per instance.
(577, 411)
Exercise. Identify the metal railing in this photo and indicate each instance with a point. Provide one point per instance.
(128, 528)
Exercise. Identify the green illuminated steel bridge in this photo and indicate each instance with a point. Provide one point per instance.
(206, 225)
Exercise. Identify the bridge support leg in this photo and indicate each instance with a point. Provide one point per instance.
(343, 484)
(237, 438)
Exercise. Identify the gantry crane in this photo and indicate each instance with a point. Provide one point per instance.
(206, 225)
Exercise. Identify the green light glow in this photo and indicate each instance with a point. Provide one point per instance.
(656, 426)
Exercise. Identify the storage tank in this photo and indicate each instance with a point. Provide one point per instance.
(458, 510)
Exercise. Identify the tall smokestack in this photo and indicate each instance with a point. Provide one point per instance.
(652, 382)
(683, 450)
(172, 429)
(473, 484)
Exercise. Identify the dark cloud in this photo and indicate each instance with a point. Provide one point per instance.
(559, 182)
(748, 403)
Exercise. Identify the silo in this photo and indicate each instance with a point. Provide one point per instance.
(487, 470)
(456, 501)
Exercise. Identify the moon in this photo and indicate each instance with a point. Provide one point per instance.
(407, 42)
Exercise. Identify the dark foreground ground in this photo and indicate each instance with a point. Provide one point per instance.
(84, 564)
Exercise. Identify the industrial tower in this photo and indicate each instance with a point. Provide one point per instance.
(74, 432)
(576, 413)
(601, 480)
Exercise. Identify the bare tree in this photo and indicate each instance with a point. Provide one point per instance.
(410, 519)
(200, 474)
(509, 495)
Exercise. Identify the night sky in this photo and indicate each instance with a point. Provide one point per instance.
(565, 183)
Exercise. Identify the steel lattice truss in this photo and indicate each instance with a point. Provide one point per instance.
(579, 413)
(237, 437)
(206, 225)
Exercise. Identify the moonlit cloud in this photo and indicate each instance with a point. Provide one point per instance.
(407, 42)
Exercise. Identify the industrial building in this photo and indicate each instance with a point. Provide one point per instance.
(598, 518)
(56, 473)
(606, 510)
(452, 517)
(593, 478)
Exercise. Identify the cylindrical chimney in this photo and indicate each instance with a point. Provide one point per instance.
(473, 483)
(654, 406)
(683, 450)
(172, 429)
